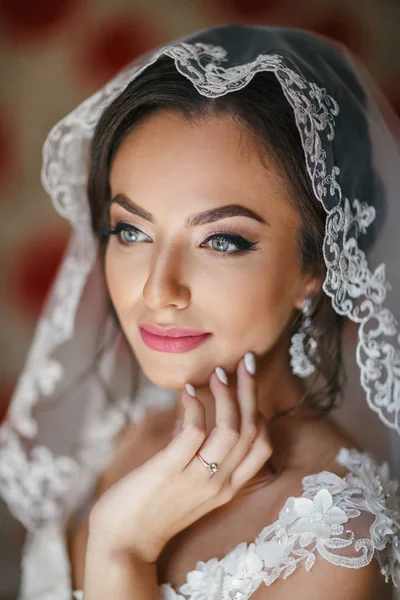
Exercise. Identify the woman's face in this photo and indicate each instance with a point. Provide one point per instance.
(168, 274)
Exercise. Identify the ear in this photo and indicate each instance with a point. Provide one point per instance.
(310, 285)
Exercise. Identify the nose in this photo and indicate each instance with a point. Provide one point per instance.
(165, 285)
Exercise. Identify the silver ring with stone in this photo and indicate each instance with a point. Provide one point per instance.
(212, 467)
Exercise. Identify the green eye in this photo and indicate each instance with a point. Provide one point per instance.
(224, 240)
(128, 235)
(222, 244)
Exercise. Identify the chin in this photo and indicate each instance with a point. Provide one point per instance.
(173, 374)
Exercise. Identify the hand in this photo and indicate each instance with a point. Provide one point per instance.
(173, 489)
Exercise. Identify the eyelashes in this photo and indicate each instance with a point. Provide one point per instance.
(124, 233)
(241, 244)
(121, 228)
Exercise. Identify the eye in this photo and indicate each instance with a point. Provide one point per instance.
(127, 234)
(228, 239)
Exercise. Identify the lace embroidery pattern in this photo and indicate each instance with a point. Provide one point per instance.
(355, 290)
(35, 487)
(318, 522)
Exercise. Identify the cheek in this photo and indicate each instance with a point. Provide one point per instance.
(254, 305)
(117, 279)
(247, 302)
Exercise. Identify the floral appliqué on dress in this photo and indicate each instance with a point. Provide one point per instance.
(328, 519)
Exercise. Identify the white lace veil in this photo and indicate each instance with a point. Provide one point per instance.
(61, 422)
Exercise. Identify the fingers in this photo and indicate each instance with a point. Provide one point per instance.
(250, 416)
(247, 395)
(258, 454)
(181, 449)
(224, 436)
(227, 414)
(236, 423)
(239, 443)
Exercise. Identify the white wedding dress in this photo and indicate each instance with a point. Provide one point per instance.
(344, 520)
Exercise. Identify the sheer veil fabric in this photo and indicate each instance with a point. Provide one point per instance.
(61, 424)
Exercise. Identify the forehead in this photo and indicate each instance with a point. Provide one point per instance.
(198, 164)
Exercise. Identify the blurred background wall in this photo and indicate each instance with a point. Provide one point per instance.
(55, 53)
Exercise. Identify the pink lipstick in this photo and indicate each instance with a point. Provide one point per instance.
(172, 339)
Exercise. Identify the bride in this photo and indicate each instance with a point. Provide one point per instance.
(225, 193)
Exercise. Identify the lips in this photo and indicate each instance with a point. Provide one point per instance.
(167, 343)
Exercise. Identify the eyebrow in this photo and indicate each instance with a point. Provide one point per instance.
(202, 218)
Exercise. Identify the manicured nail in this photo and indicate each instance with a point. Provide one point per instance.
(221, 375)
(190, 389)
(250, 362)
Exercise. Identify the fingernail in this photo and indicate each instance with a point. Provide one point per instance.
(190, 389)
(250, 362)
(221, 375)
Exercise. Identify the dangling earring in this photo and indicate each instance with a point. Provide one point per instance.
(300, 363)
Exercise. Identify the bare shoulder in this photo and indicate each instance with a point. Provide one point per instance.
(316, 444)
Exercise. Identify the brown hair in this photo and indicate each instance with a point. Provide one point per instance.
(263, 109)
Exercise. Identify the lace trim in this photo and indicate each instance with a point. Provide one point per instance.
(355, 291)
(35, 487)
(45, 566)
(42, 373)
(320, 522)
